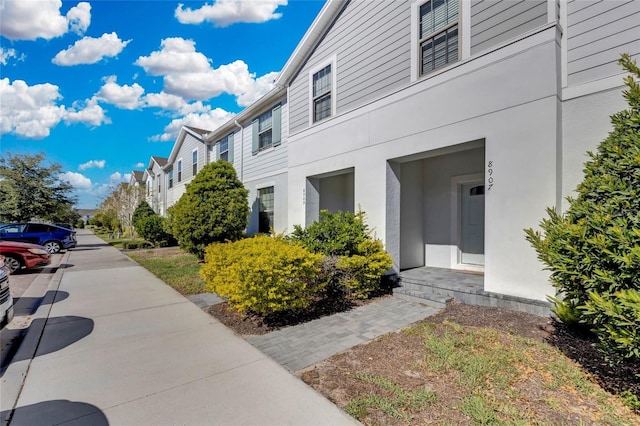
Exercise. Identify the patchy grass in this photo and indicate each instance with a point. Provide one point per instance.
(446, 373)
(173, 266)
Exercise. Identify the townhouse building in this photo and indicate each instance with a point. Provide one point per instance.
(452, 124)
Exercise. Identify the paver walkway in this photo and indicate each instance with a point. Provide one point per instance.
(303, 345)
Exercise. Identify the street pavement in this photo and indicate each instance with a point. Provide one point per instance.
(111, 344)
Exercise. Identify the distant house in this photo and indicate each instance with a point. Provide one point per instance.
(154, 187)
(453, 124)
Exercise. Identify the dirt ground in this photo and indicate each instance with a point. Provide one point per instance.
(334, 377)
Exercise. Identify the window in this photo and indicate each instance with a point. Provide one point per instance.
(265, 124)
(194, 160)
(265, 217)
(321, 96)
(170, 179)
(438, 33)
(180, 170)
(266, 130)
(158, 178)
(224, 149)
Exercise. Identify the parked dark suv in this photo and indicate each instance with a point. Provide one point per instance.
(53, 238)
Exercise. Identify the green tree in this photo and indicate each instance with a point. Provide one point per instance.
(593, 249)
(214, 208)
(152, 229)
(30, 189)
(142, 210)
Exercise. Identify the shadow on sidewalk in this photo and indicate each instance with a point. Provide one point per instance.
(55, 412)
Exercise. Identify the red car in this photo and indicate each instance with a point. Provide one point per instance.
(24, 255)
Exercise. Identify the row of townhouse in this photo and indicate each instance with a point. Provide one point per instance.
(452, 124)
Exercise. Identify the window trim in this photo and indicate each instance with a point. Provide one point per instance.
(170, 179)
(219, 149)
(334, 85)
(179, 167)
(273, 208)
(464, 41)
(194, 164)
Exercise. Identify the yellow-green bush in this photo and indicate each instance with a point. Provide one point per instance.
(361, 273)
(262, 274)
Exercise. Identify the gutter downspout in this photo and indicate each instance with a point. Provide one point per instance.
(241, 150)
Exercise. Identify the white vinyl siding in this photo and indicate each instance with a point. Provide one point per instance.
(597, 34)
(494, 22)
(370, 41)
(266, 130)
(257, 164)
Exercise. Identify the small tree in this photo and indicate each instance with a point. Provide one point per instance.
(214, 208)
(152, 229)
(142, 210)
(593, 250)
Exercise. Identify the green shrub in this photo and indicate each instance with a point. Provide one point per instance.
(593, 249)
(142, 210)
(214, 208)
(355, 261)
(361, 273)
(262, 274)
(80, 224)
(152, 229)
(335, 234)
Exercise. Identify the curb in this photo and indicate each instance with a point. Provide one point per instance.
(16, 373)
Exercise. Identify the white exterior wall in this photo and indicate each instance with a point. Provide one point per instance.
(471, 102)
(185, 152)
(281, 201)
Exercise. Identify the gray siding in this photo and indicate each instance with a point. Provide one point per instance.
(493, 21)
(371, 42)
(264, 163)
(597, 33)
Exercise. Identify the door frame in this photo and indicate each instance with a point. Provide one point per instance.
(456, 222)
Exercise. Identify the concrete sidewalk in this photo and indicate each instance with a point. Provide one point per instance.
(117, 346)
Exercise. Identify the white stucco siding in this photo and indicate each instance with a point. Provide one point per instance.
(281, 198)
(586, 123)
(508, 98)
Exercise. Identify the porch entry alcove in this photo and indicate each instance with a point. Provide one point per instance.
(436, 216)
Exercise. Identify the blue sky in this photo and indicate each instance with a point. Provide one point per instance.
(100, 86)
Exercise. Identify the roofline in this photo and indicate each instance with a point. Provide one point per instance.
(309, 41)
(178, 143)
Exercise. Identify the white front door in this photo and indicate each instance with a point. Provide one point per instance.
(472, 224)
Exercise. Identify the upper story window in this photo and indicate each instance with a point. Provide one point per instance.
(170, 179)
(438, 34)
(224, 149)
(180, 170)
(266, 130)
(158, 178)
(194, 161)
(322, 89)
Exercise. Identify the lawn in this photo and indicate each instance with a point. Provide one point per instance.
(173, 266)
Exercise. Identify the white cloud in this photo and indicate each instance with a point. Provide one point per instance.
(207, 119)
(118, 177)
(90, 50)
(77, 180)
(188, 74)
(33, 19)
(125, 97)
(259, 88)
(91, 113)
(223, 13)
(32, 111)
(164, 101)
(6, 54)
(92, 163)
(140, 165)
